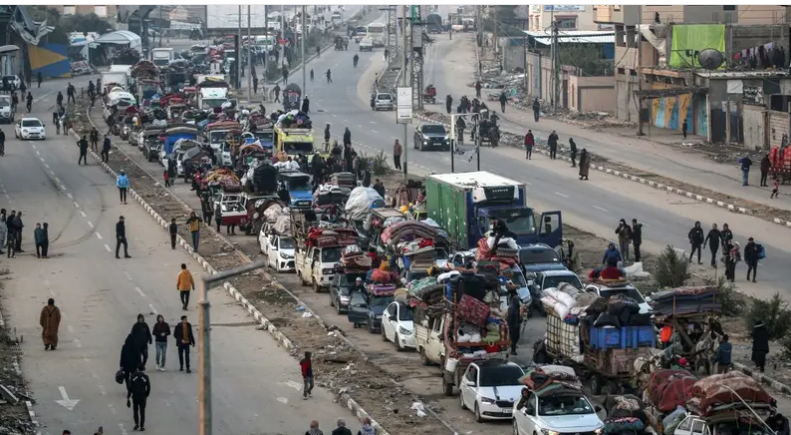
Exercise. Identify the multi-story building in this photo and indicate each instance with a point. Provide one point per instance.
(568, 17)
(104, 11)
(658, 70)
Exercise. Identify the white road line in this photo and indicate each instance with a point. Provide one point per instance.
(85, 358)
(77, 342)
(69, 195)
(101, 390)
(140, 292)
(83, 214)
(600, 208)
(107, 248)
(90, 224)
(38, 153)
(561, 194)
(99, 236)
(63, 187)
(57, 180)
(112, 408)
(372, 122)
(69, 327)
(34, 146)
(128, 276)
(153, 310)
(123, 429)
(374, 131)
(46, 165)
(7, 197)
(42, 159)
(76, 205)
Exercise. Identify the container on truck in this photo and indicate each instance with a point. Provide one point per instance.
(464, 204)
(377, 32)
(161, 57)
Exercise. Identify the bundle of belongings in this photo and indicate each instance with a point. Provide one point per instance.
(617, 311)
(361, 201)
(225, 178)
(625, 414)
(276, 214)
(261, 179)
(382, 274)
(547, 378)
(686, 300)
(668, 389)
(325, 237)
(294, 119)
(725, 392)
(353, 258)
(328, 194)
(287, 165)
(506, 251)
(343, 179)
(408, 231)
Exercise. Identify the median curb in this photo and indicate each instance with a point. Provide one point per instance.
(263, 322)
(641, 180)
(762, 378)
(28, 403)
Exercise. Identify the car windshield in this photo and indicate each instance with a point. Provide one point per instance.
(554, 281)
(211, 104)
(348, 279)
(538, 256)
(520, 224)
(31, 123)
(630, 292)
(5, 102)
(217, 136)
(434, 129)
(405, 313)
(383, 97)
(564, 405)
(299, 183)
(330, 255)
(381, 301)
(357, 299)
(286, 243)
(500, 376)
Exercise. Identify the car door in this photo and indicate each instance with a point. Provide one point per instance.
(526, 417)
(435, 344)
(263, 242)
(468, 387)
(390, 321)
(271, 250)
(550, 228)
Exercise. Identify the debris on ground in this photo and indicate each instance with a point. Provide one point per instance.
(14, 417)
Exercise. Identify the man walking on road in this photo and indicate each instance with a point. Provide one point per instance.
(173, 229)
(573, 152)
(536, 109)
(503, 100)
(752, 253)
(684, 128)
(2, 143)
(70, 91)
(139, 390)
(143, 337)
(696, 239)
(194, 223)
(161, 333)
(448, 104)
(185, 284)
(307, 375)
(50, 322)
(478, 89)
(329, 76)
(764, 170)
(38, 239)
(530, 141)
(120, 238)
(552, 140)
(106, 149)
(276, 91)
(311, 74)
(123, 185)
(714, 238)
(83, 144)
(745, 164)
(397, 154)
(182, 332)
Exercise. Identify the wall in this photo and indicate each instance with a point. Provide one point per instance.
(778, 126)
(539, 70)
(762, 14)
(625, 105)
(670, 112)
(541, 18)
(753, 122)
(592, 94)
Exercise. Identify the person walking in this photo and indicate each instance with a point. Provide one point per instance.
(218, 216)
(139, 390)
(143, 338)
(70, 91)
(624, 233)
(173, 229)
(775, 188)
(2, 143)
(94, 136)
(724, 355)
(120, 238)
(38, 238)
(83, 144)
(514, 318)
(3, 230)
(732, 256)
(329, 76)
(39, 79)
(18, 227)
(764, 170)
(397, 150)
(59, 99)
(552, 141)
(306, 105)
(327, 135)
(367, 427)
(503, 99)
(478, 89)
(161, 333)
(696, 240)
(536, 109)
(745, 164)
(752, 253)
(684, 128)
(255, 85)
(530, 142)
(714, 239)
(307, 375)
(312, 74)
(276, 91)
(194, 224)
(29, 101)
(130, 359)
(585, 163)
(341, 429)
(184, 284)
(182, 333)
(11, 236)
(573, 152)
(123, 185)
(727, 237)
(448, 103)
(637, 239)
(347, 138)
(106, 149)
(50, 322)
(760, 336)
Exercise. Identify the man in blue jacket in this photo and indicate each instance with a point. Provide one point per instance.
(123, 185)
(611, 254)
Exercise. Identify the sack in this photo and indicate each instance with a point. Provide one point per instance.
(120, 376)
(761, 252)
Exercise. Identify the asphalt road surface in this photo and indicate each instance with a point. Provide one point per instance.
(257, 386)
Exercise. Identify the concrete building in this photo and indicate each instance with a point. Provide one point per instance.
(657, 72)
(569, 17)
(103, 11)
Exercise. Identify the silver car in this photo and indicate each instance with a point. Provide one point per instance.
(383, 102)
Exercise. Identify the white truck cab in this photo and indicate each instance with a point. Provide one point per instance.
(316, 265)
(428, 340)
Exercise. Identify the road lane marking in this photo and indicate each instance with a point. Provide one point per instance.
(101, 390)
(139, 291)
(76, 205)
(123, 429)
(107, 248)
(84, 215)
(561, 194)
(600, 208)
(77, 342)
(374, 131)
(70, 196)
(70, 329)
(153, 310)
(90, 224)
(46, 165)
(63, 187)
(38, 153)
(128, 276)
(99, 236)
(57, 180)
(112, 408)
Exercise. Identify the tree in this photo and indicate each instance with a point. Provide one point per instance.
(587, 59)
(85, 23)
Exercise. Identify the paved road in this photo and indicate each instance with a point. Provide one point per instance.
(257, 386)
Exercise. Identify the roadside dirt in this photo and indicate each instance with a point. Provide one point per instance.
(14, 417)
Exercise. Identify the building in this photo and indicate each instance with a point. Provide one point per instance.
(657, 70)
(103, 11)
(568, 17)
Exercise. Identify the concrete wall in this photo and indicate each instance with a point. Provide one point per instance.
(591, 94)
(539, 70)
(625, 104)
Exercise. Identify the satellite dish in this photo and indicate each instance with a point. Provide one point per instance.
(710, 58)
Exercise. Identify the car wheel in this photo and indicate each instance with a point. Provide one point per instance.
(596, 384)
(371, 326)
(477, 411)
(516, 427)
(397, 342)
(384, 334)
(461, 402)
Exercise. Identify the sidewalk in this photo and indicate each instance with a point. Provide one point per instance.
(653, 154)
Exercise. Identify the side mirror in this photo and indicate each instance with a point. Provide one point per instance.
(469, 383)
(597, 408)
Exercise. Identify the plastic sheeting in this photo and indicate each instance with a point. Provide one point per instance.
(689, 39)
(361, 201)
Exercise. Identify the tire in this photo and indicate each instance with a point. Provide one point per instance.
(477, 413)
(461, 402)
(371, 329)
(397, 342)
(515, 426)
(423, 358)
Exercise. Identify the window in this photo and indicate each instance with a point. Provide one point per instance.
(31, 123)
(698, 426)
(729, 7)
(616, 8)
(501, 376)
(436, 325)
(391, 310)
(471, 374)
(567, 23)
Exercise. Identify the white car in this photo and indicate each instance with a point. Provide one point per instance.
(397, 325)
(279, 251)
(555, 414)
(607, 291)
(7, 111)
(366, 44)
(490, 388)
(30, 128)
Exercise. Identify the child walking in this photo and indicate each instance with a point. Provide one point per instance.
(166, 177)
(775, 189)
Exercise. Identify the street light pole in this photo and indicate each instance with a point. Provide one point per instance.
(204, 344)
(304, 67)
(249, 59)
(403, 83)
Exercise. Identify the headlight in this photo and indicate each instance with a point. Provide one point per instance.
(24, 130)
(425, 142)
(404, 331)
(328, 271)
(488, 400)
(549, 432)
(447, 138)
(598, 431)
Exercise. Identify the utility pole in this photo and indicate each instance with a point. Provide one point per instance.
(249, 60)
(640, 99)
(403, 83)
(283, 34)
(239, 53)
(302, 48)
(556, 68)
(267, 54)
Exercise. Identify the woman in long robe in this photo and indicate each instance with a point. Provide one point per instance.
(50, 322)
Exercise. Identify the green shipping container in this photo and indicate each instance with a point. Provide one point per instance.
(448, 207)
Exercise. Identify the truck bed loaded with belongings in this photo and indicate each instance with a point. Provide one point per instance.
(275, 213)
(414, 243)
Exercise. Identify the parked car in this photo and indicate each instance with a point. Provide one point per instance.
(7, 111)
(30, 128)
(540, 257)
(384, 101)
(398, 325)
(13, 80)
(431, 137)
(489, 388)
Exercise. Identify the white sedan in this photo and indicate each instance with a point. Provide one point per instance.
(490, 388)
(29, 128)
(398, 326)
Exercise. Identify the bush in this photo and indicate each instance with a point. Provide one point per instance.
(671, 268)
(380, 164)
(732, 303)
(774, 313)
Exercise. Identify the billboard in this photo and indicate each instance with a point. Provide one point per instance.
(227, 17)
(564, 8)
(403, 105)
(51, 60)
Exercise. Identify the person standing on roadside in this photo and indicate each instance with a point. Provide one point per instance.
(184, 284)
(536, 109)
(161, 333)
(448, 103)
(624, 233)
(120, 238)
(684, 128)
(724, 352)
(173, 229)
(38, 239)
(3, 230)
(765, 170)
(50, 322)
(503, 99)
(194, 224)
(123, 185)
(478, 89)
(760, 336)
(143, 339)
(573, 153)
(752, 253)
(18, 226)
(637, 239)
(94, 140)
(11, 236)
(182, 332)
(696, 240)
(139, 390)
(397, 154)
(714, 239)
(39, 78)
(552, 141)
(530, 141)
(70, 91)
(106, 149)
(307, 375)
(2, 143)
(341, 429)
(83, 144)
(744, 164)
(218, 216)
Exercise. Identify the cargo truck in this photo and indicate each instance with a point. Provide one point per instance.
(464, 204)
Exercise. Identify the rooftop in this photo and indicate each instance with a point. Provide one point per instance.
(766, 74)
(475, 179)
(574, 37)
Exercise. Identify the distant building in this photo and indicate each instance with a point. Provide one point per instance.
(568, 17)
(103, 11)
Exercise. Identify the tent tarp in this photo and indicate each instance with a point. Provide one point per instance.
(690, 39)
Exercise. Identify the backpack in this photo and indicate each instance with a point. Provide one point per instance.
(138, 383)
(761, 251)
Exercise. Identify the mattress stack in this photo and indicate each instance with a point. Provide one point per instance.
(686, 301)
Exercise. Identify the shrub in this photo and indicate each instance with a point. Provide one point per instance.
(773, 312)
(380, 164)
(671, 268)
(732, 303)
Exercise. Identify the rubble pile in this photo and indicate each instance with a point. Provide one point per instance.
(14, 417)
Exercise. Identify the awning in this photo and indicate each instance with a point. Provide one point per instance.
(671, 92)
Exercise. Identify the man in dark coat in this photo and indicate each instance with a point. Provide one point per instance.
(106, 149)
(347, 137)
(752, 254)
(573, 152)
(714, 239)
(536, 109)
(94, 140)
(764, 170)
(18, 226)
(760, 336)
(2, 143)
(513, 319)
(143, 338)
(139, 390)
(448, 103)
(182, 333)
(696, 240)
(503, 99)
(637, 238)
(552, 141)
(306, 105)
(83, 143)
(130, 358)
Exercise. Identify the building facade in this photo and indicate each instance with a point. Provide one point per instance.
(103, 11)
(568, 17)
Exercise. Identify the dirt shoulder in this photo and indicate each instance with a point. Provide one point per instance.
(16, 401)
